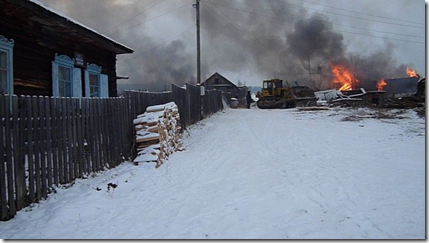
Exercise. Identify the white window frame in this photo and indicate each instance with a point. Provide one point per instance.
(7, 47)
(76, 79)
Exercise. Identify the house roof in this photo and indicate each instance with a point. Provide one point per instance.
(36, 12)
(218, 74)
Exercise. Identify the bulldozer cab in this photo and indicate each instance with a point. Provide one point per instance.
(270, 86)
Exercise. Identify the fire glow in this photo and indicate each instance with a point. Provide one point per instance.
(412, 73)
(343, 78)
(381, 84)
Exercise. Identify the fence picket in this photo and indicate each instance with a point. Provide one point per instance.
(42, 134)
(54, 137)
(64, 139)
(48, 136)
(36, 141)
(9, 159)
(3, 190)
(73, 119)
(80, 137)
(18, 153)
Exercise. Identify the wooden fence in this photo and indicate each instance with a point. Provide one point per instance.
(212, 102)
(46, 142)
(51, 141)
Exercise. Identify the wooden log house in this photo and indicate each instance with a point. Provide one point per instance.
(43, 52)
(219, 82)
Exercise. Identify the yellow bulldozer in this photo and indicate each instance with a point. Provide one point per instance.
(276, 94)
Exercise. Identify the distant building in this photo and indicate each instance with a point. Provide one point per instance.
(42, 52)
(219, 82)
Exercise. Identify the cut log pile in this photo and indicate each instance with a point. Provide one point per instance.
(158, 134)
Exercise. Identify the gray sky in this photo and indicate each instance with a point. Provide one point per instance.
(252, 40)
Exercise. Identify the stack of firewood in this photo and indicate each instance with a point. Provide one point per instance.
(158, 134)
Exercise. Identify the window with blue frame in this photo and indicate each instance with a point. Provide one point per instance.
(66, 79)
(96, 83)
(93, 80)
(6, 65)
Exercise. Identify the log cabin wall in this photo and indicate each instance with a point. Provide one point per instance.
(38, 36)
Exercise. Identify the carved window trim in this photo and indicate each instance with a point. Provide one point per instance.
(6, 46)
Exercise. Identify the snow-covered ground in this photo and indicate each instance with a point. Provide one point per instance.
(255, 174)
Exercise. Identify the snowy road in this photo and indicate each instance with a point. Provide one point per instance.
(255, 174)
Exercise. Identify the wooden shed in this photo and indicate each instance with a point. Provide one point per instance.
(219, 82)
(43, 52)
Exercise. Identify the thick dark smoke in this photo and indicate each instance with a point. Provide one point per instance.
(270, 39)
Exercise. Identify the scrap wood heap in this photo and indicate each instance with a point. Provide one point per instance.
(158, 133)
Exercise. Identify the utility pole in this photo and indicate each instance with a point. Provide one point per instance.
(309, 67)
(197, 6)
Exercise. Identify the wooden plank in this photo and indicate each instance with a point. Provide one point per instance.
(87, 145)
(9, 159)
(94, 129)
(64, 148)
(30, 145)
(113, 133)
(36, 139)
(117, 120)
(107, 131)
(90, 134)
(19, 169)
(42, 123)
(83, 137)
(124, 130)
(150, 139)
(101, 123)
(80, 138)
(54, 137)
(48, 133)
(3, 190)
(99, 135)
(70, 148)
(146, 124)
(60, 139)
(127, 126)
(103, 133)
(73, 110)
(95, 134)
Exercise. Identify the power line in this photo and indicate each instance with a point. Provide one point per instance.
(166, 43)
(389, 38)
(344, 15)
(371, 15)
(173, 10)
(348, 26)
(138, 14)
(295, 5)
(386, 38)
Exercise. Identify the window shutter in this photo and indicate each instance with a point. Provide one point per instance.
(87, 90)
(104, 86)
(55, 86)
(77, 83)
(11, 83)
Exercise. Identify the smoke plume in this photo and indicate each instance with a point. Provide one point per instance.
(267, 39)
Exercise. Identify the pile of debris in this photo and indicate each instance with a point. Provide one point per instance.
(415, 102)
(158, 134)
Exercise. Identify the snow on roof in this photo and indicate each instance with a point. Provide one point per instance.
(76, 22)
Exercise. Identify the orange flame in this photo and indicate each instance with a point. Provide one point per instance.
(381, 84)
(343, 78)
(412, 73)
